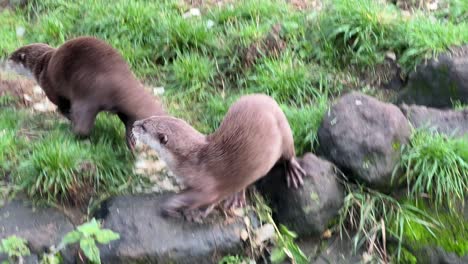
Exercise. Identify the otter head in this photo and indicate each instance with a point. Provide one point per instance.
(175, 141)
(28, 56)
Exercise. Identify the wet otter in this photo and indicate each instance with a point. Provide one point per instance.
(85, 76)
(251, 139)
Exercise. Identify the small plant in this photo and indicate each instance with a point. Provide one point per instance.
(285, 247)
(376, 217)
(437, 166)
(87, 235)
(15, 248)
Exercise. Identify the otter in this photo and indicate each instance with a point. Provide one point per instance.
(253, 136)
(85, 76)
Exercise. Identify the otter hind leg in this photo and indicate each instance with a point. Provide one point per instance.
(188, 203)
(83, 116)
(294, 173)
(236, 200)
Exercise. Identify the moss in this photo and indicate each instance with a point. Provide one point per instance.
(452, 236)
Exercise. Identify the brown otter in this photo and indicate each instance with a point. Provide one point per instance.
(85, 76)
(251, 139)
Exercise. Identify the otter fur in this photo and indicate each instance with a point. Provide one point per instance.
(85, 76)
(251, 139)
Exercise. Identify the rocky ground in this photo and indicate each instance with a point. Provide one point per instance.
(357, 138)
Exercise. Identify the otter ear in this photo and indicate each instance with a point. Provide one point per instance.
(162, 138)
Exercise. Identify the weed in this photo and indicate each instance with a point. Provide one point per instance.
(376, 217)
(437, 166)
(15, 248)
(86, 235)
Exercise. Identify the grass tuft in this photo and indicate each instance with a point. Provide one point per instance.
(437, 166)
(376, 217)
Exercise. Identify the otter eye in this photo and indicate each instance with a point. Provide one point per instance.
(162, 138)
(22, 56)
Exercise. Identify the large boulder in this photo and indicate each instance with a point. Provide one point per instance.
(449, 122)
(363, 136)
(440, 81)
(147, 237)
(41, 227)
(307, 210)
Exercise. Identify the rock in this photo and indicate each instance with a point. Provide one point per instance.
(147, 237)
(41, 227)
(307, 210)
(338, 251)
(436, 255)
(449, 122)
(363, 136)
(440, 81)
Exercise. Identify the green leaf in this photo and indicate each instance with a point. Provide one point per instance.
(89, 248)
(277, 255)
(90, 228)
(71, 237)
(106, 235)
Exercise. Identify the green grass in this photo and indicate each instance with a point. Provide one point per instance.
(437, 166)
(50, 164)
(376, 217)
(451, 235)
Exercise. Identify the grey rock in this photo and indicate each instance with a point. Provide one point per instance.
(147, 237)
(338, 251)
(436, 255)
(440, 81)
(309, 209)
(449, 122)
(363, 136)
(41, 227)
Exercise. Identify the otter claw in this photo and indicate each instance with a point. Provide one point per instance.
(294, 174)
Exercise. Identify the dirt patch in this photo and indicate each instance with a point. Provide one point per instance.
(271, 46)
(20, 90)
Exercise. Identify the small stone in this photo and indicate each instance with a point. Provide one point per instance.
(244, 235)
(192, 12)
(264, 233)
(38, 90)
(20, 31)
(158, 90)
(210, 23)
(27, 97)
(327, 234)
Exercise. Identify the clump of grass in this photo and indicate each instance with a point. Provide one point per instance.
(193, 74)
(437, 166)
(61, 168)
(305, 122)
(253, 10)
(451, 235)
(376, 217)
(286, 79)
(353, 32)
